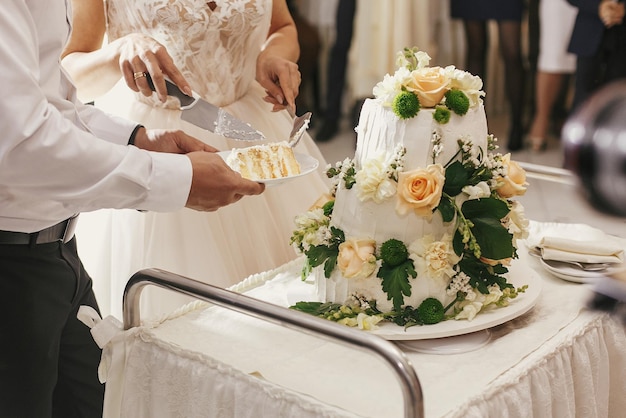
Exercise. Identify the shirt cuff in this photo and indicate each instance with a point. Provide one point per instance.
(133, 134)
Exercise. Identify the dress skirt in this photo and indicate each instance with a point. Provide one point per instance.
(487, 9)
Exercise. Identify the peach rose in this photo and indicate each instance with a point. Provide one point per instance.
(420, 190)
(356, 258)
(514, 184)
(430, 85)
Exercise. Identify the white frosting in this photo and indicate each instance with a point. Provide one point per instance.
(381, 131)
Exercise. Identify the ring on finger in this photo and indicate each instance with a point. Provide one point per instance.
(139, 74)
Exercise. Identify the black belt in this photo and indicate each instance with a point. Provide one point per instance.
(63, 231)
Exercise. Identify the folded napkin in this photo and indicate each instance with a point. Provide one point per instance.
(584, 251)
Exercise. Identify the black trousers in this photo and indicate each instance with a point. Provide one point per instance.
(338, 60)
(48, 359)
(607, 65)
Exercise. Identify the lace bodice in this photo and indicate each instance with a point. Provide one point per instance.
(214, 44)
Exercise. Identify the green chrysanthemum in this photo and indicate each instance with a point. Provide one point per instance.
(457, 101)
(441, 115)
(430, 311)
(393, 252)
(406, 105)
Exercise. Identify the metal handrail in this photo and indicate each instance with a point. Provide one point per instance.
(411, 388)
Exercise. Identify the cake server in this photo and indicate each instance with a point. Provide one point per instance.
(203, 114)
(300, 125)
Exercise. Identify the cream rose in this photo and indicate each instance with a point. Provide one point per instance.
(430, 85)
(514, 183)
(356, 258)
(420, 190)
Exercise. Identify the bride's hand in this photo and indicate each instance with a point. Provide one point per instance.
(140, 55)
(281, 80)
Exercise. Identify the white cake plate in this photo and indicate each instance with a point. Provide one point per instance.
(520, 274)
(448, 345)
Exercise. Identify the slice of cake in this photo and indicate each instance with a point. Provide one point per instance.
(424, 217)
(263, 162)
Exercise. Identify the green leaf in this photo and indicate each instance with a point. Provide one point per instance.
(329, 265)
(446, 208)
(489, 206)
(494, 239)
(321, 254)
(395, 281)
(482, 275)
(315, 308)
(457, 177)
(306, 270)
(457, 243)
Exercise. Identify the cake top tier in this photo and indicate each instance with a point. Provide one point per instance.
(415, 85)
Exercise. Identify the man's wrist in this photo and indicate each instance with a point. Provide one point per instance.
(133, 135)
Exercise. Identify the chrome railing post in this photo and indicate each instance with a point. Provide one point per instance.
(394, 357)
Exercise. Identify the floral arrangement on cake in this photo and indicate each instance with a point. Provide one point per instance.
(415, 85)
(474, 191)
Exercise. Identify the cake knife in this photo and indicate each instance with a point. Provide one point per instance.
(203, 114)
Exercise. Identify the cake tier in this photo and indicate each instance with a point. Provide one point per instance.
(338, 289)
(380, 132)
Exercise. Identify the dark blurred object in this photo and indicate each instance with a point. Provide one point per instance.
(594, 141)
(336, 70)
(310, 47)
(610, 296)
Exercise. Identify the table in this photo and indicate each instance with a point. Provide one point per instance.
(206, 361)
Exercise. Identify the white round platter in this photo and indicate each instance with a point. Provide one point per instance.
(520, 273)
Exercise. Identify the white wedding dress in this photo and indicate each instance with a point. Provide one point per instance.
(216, 50)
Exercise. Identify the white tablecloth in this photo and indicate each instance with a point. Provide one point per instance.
(557, 360)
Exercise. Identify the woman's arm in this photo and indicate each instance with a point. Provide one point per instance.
(95, 68)
(277, 70)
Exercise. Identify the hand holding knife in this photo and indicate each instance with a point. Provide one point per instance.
(203, 114)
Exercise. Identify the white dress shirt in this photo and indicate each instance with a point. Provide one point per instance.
(59, 157)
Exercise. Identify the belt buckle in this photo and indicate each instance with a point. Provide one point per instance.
(70, 227)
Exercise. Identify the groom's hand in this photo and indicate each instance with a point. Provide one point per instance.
(214, 184)
(174, 141)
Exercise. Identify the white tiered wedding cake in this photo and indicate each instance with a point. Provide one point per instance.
(422, 224)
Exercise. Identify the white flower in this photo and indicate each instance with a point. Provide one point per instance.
(460, 283)
(439, 256)
(388, 89)
(469, 311)
(311, 229)
(422, 59)
(477, 192)
(517, 223)
(495, 293)
(469, 84)
(348, 321)
(372, 181)
(368, 322)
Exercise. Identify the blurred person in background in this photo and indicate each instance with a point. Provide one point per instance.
(508, 14)
(599, 43)
(554, 66)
